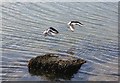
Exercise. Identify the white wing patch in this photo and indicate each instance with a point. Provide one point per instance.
(71, 28)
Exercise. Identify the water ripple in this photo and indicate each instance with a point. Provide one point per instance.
(96, 41)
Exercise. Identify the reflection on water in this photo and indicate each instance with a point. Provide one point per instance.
(96, 42)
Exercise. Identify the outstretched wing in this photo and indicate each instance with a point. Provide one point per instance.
(72, 28)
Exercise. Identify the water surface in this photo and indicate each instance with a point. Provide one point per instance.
(96, 42)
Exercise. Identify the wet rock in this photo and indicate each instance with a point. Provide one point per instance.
(55, 65)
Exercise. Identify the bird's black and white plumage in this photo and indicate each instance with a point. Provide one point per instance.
(72, 23)
(50, 31)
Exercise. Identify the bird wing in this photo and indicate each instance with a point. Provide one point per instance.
(72, 28)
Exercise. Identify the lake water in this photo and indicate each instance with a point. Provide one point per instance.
(96, 42)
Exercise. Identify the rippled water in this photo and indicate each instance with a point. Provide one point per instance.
(96, 42)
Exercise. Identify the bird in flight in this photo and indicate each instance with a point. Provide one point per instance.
(50, 31)
(72, 23)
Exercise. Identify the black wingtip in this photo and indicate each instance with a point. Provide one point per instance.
(54, 29)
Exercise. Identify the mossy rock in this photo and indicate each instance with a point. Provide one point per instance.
(55, 65)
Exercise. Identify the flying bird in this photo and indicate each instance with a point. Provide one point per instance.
(72, 23)
(50, 31)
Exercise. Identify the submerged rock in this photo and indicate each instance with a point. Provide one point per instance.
(55, 65)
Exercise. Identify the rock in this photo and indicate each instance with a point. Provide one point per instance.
(57, 65)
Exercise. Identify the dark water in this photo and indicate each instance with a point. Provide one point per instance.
(96, 42)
